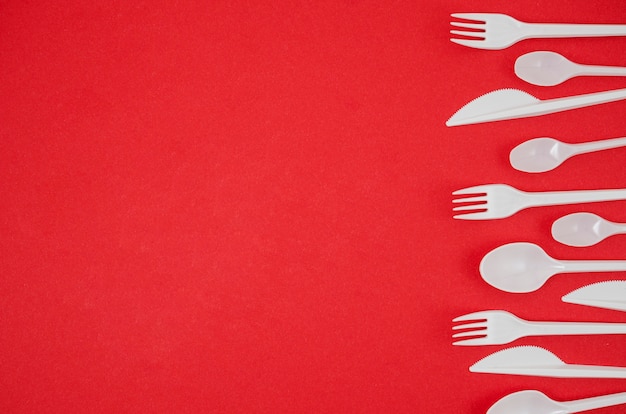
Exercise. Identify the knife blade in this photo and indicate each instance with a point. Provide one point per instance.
(608, 295)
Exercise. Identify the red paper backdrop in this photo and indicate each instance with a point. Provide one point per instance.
(246, 206)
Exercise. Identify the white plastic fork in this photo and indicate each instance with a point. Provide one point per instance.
(497, 327)
(495, 201)
(494, 31)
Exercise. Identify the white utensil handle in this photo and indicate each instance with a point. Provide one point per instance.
(584, 266)
(553, 198)
(564, 371)
(604, 144)
(595, 402)
(576, 328)
(574, 102)
(593, 371)
(576, 30)
(591, 70)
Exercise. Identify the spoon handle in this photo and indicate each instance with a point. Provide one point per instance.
(596, 402)
(596, 70)
(584, 266)
(600, 145)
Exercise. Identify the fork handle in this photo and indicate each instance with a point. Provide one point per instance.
(576, 328)
(553, 198)
(575, 30)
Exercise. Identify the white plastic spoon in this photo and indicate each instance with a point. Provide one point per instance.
(544, 154)
(525, 267)
(584, 229)
(535, 402)
(549, 69)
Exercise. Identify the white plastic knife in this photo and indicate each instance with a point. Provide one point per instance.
(537, 361)
(608, 295)
(504, 104)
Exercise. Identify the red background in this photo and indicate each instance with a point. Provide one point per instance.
(246, 206)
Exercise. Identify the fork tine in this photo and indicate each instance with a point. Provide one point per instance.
(470, 16)
(478, 215)
(471, 342)
(479, 332)
(482, 206)
(477, 189)
(474, 316)
(470, 199)
(477, 26)
(479, 35)
(470, 326)
(477, 43)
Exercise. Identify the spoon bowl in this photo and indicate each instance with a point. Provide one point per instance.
(518, 267)
(540, 155)
(544, 154)
(548, 69)
(527, 402)
(545, 68)
(583, 229)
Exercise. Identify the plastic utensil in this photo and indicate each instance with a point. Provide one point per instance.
(537, 361)
(584, 229)
(500, 31)
(544, 154)
(607, 295)
(494, 201)
(497, 327)
(525, 267)
(535, 402)
(548, 69)
(503, 104)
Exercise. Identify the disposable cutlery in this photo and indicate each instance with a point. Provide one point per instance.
(525, 267)
(536, 361)
(495, 201)
(503, 104)
(497, 327)
(544, 154)
(498, 31)
(544, 68)
(584, 229)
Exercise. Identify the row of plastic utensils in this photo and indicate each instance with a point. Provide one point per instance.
(498, 31)
(525, 267)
